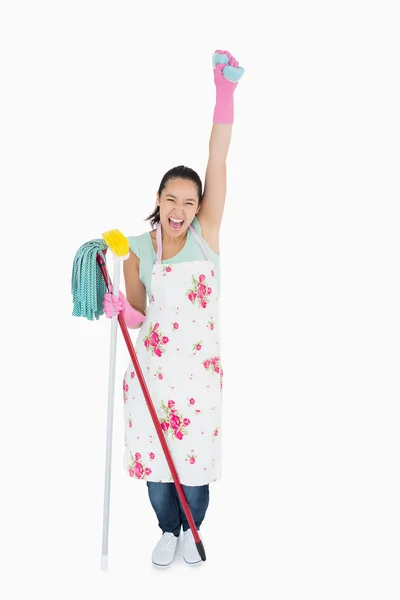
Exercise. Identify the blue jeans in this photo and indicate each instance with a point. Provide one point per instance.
(169, 510)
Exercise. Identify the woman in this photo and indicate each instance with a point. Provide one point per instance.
(176, 265)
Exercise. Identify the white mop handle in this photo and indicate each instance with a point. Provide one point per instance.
(110, 414)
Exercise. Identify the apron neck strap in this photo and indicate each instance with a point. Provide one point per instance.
(159, 243)
(199, 241)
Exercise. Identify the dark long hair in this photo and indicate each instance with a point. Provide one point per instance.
(180, 172)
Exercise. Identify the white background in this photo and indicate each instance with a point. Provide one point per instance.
(98, 100)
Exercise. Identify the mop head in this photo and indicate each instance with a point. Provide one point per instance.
(117, 243)
(87, 284)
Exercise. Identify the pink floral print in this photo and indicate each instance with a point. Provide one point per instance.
(155, 341)
(211, 324)
(197, 347)
(192, 402)
(199, 292)
(125, 388)
(191, 458)
(159, 374)
(173, 423)
(137, 468)
(212, 364)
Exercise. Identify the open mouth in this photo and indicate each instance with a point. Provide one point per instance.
(175, 224)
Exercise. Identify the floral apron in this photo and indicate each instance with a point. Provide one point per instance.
(178, 349)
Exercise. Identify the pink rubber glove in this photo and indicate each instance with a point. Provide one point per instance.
(113, 306)
(223, 111)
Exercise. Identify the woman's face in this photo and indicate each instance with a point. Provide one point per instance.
(179, 203)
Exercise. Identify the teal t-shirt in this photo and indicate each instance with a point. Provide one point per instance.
(142, 246)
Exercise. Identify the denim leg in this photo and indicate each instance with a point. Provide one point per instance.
(164, 502)
(197, 497)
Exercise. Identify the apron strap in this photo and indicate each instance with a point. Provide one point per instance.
(199, 241)
(159, 243)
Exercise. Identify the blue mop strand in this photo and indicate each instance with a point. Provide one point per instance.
(87, 283)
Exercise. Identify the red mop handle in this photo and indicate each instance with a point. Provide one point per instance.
(154, 416)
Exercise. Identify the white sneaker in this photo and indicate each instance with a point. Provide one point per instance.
(164, 552)
(191, 555)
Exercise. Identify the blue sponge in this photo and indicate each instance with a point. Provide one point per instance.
(232, 74)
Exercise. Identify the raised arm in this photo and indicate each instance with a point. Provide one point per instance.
(213, 203)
